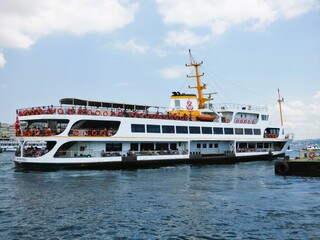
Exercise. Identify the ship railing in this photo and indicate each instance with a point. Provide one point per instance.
(238, 107)
(95, 111)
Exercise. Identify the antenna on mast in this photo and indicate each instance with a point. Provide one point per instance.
(280, 106)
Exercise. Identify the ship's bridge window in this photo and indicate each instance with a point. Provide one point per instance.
(248, 131)
(182, 129)
(228, 130)
(177, 103)
(153, 128)
(194, 130)
(138, 128)
(206, 130)
(167, 129)
(217, 130)
(238, 131)
(256, 131)
(264, 117)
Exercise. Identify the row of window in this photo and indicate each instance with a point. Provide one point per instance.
(141, 128)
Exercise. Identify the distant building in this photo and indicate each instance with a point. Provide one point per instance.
(7, 130)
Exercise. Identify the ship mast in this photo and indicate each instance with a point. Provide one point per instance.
(280, 106)
(199, 87)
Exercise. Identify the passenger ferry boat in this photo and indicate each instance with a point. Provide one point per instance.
(86, 134)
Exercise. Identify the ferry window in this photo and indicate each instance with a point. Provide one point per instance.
(251, 145)
(248, 131)
(264, 117)
(259, 145)
(134, 146)
(167, 129)
(181, 129)
(153, 128)
(198, 145)
(238, 131)
(204, 145)
(146, 146)
(177, 103)
(173, 146)
(113, 147)
(195, 130)
(217, 130)
(228, 130)
(216, 145)
(206, 130)
(137, 128)
(210, 145)
(257, 131)
(162, 146)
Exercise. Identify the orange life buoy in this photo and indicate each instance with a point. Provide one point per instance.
(89, 112)
(102, 133)
(94, 133)
(25, 113)
(141, 115)
(30, 132)
(133, 114)
(38, 154)
(48, 132)
(86, 133)
(241, 121)
(245, 121)
(20, 113)
(253, 122)
(249, 121)
(80, 111)
(17, 132)
(71, 111)
(113, 114)
(98, 113)
(38, 132)
(119, 114)
(50, 111)
(312, 155)
(60, 111)
(75, 132)
(24, 133)
(105, 113)
(192, 118)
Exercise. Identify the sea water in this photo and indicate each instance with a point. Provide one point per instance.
(238, 201)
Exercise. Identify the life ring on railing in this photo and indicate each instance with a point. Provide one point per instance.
(120, 114)
(237, 120)
(17, 132)
(30, 132)
(105, 113)
(60, 111)
(98, 112)
(38, 132)
(103, 133)
(140, 115)
(40, 111)
(248, 121)
(89, 112)
(37, 154)
(252, 122)
(312, 155)
(80, 111)
(75, 132)
(48, 132)
(49, 111)
(133, 114)
(86, 133)
(94, 133)
(20, 113)
(24, 132)
(71, 111)
(245, 121)
(241, 120)
(113, 114)
(192, 118)
(25, 113)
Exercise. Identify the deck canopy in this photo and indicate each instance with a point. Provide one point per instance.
(81, 102)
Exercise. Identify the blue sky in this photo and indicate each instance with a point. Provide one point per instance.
(135, 50)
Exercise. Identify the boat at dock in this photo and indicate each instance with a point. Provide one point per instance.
(307, 164)
(85, 134)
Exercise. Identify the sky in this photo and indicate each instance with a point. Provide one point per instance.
(135, 51)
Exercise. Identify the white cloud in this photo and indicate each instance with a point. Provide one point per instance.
(317, 95)
(221, 15)
(184, 38)
(302, 117)
(133, 46)
(23, 22)
(2, 60)
(173, 72)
